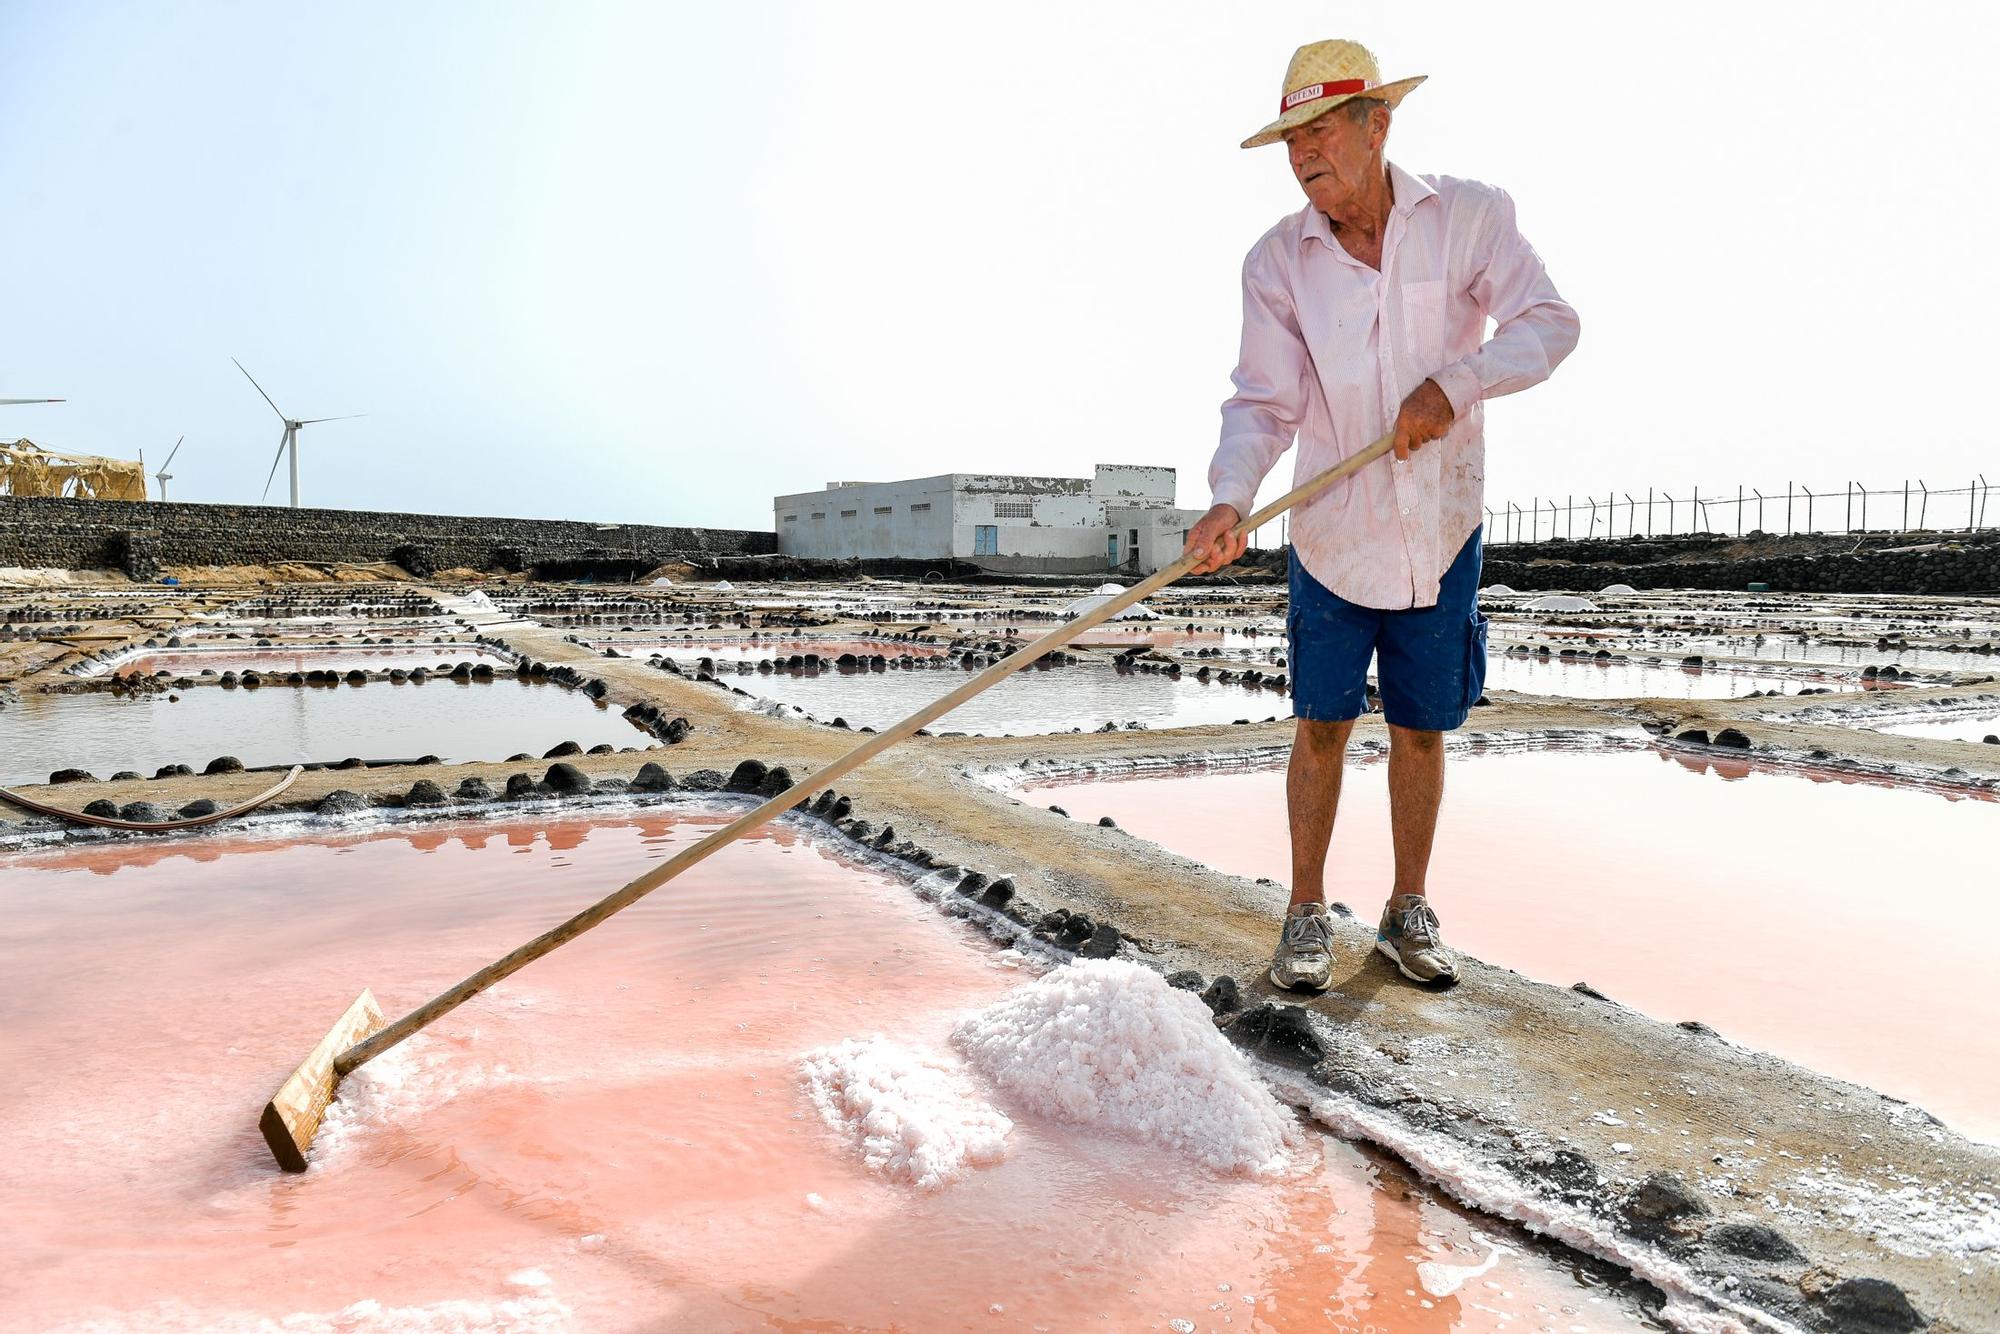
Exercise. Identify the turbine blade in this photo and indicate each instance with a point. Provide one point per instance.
(170, 455)
(33, 400)
(348, 418)
(283, 440)
(260, 389)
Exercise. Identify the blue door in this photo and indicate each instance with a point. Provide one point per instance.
(1111, 551)
(986, 539)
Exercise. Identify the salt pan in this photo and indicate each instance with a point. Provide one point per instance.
(911, 1118)
(1108, 1043)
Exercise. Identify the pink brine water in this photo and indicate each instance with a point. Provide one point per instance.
(624, 1136)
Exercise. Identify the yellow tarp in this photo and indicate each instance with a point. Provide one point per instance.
(26, 469)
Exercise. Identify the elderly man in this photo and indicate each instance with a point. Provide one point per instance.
(1363, 312)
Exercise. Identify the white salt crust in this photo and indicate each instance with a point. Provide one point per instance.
(1559, 602)
(1442, 1280)
(397, 1089)
(1693, 1306)
(913, 1119)
(1138, 611)
(1109, 1045)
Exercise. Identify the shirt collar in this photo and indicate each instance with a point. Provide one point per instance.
(1409, 192)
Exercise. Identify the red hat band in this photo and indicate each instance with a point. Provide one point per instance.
(1313, 92)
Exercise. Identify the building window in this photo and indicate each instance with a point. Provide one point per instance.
(791, 518)
(848, 514)
(924, 508)
(885, 509)
(820, 515)
(1013, 509)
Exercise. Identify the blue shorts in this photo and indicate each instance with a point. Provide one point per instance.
(1431, 661)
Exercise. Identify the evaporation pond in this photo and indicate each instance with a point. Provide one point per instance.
(619, 1137)
(1634, 678)
(283, 658)
(105, 733)
(1822, 920)
(1958, 727)
(1032, 701)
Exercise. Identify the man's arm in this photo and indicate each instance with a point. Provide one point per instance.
(1261, 419)
(1536, 327)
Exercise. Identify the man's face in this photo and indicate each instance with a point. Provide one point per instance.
(1331, 157)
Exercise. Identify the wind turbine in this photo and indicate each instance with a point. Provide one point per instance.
(163, 475)
(290, 439)
(33, 400)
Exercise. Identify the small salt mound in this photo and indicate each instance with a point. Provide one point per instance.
(1138, 611)
(1559, 602)
(724, 586)
(663, 582)
(911, 1119)
(1616, 591)
(1109, 1044)
(1113, 589)
(1499, 591)
(477, 600)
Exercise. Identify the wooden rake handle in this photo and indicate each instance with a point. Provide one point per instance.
(363, 1052)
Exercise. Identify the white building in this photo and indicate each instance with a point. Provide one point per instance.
(1121, 518)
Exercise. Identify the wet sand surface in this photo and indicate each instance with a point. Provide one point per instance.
(617, 1138)
(1772, 907)
(487, 720)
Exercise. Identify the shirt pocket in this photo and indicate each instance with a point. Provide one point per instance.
(1423, 324)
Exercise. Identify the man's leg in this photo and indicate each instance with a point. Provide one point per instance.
(1416, 790)
(1312, 794)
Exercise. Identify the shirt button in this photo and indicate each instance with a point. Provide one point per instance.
(1406, 509)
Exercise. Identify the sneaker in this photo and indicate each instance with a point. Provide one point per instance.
(1410, 935)
(1304, 961)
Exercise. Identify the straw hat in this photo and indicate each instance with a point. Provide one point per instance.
(1322, 76)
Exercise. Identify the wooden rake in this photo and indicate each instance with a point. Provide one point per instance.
(292, 1117)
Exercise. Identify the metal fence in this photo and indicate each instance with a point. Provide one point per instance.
(1852, 508)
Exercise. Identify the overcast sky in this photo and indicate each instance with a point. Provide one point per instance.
(660, 262)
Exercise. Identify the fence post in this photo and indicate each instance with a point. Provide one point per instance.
(1535, 517)
(1809, 504)
(1694, 513)
(1569, 512)
(1971, 494)
(1923, 501)
(1739, 509)
(1864, 509)
(1760, 508)
(1906, 504)
(1984, 488)
(1850, 507)
(1788, 508)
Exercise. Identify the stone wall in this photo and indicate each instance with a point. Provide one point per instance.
(140, 538)
(1951, 563)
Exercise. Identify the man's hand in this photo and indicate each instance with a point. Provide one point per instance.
(1426, 415)
(1211, 537)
